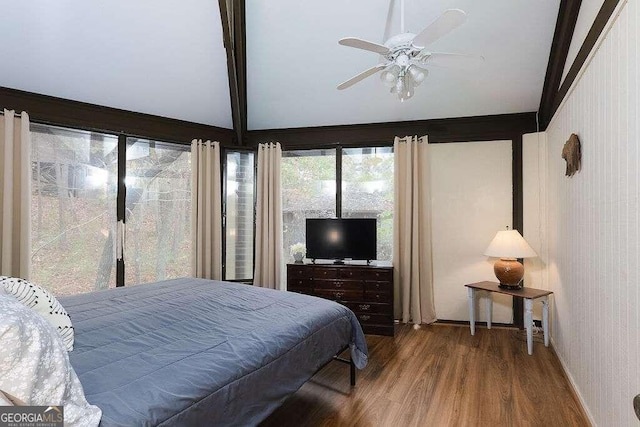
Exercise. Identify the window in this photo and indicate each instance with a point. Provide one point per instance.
(158, 211)
(367, 191)
(309, 179)
(308, 191)
(73, 208)
(239, 215)
(76, 203)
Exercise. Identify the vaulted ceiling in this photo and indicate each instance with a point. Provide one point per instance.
(168, 59)
(294, 62)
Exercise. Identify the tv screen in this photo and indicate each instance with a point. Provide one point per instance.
(343, 238)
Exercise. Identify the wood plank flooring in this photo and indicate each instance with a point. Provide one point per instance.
(439, 375)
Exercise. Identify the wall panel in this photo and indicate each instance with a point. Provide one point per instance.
(593, 228)
(471, 192)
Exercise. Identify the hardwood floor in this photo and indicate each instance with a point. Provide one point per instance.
(439, 375)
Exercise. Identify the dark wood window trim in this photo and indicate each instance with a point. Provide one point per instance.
(80, 115)
(223, 170)
(478, 128)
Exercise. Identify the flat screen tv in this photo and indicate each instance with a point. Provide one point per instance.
(342, 238)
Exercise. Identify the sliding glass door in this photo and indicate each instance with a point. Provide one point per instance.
(77, 200)
(73, 209)
(157, 242)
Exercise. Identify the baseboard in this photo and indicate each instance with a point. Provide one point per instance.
(573, 385)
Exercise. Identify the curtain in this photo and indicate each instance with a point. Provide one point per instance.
(268, 268)
(413, 272)
(206, 210)
(15, 197)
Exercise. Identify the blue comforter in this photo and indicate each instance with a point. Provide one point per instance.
(200, 352)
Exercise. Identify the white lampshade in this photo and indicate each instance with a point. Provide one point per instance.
(509, 244)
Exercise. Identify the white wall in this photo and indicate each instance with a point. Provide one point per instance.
(594, 227)
(471, 200)
(534, 152)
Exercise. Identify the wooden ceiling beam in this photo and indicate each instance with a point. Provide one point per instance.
(232, 13)
(565, 25)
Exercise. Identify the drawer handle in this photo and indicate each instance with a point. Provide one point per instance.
(338, 284)
(365, 317)
(378, 296)
(364, 307)
(299, 282)
(338, 295)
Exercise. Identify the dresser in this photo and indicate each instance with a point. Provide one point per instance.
(366, 290)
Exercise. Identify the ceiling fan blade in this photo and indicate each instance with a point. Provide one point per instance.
(365, 45)
(452, 60)
(447, 22)
(363, 75)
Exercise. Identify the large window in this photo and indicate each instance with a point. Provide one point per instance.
(367, 191)
(73, 207)
(309, 179)
(239, 215)
(308, 191)
(77, 202)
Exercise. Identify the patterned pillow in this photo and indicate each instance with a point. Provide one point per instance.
(44, 303)
(35, 367)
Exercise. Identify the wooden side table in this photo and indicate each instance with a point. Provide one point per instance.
(528, 294)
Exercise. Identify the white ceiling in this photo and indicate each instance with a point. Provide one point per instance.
(152, 56)
(294, 62)
(158, 57)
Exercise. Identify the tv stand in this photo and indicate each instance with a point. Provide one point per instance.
(367, 290)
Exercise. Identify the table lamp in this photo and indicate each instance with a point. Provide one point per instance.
(508, 245)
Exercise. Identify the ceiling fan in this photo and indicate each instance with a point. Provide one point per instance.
(404, 57)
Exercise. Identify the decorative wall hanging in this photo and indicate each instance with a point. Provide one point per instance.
(572, 154)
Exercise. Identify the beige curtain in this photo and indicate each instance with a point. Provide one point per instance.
(268, 268)
(15, 195)
(206, 210)
(413, 273)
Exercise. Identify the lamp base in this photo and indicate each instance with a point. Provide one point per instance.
(509, 273)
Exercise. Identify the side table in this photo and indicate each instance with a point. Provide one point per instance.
(528, 294)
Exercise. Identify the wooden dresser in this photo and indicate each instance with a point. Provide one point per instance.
(366, 290)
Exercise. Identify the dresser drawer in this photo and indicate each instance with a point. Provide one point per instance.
(298, 272)
(378, 296)
(376, 274)
(339, 295)
(325, 273)
(298, 283)
(337, 284)
(378, 286)
(353, 273)
(370, 307)
(375, 319)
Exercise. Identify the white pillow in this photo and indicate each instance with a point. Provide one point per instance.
(43, 302)
(35, 367)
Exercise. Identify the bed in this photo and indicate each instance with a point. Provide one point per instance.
(200, 352)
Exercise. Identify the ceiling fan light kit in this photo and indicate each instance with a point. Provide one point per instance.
(404, 58)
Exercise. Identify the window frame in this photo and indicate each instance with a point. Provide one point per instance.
(223, 176)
